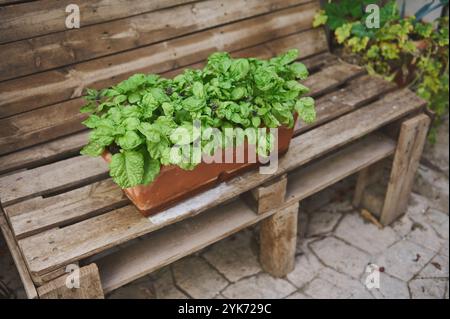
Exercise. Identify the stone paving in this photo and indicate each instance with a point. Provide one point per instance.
(335, 246)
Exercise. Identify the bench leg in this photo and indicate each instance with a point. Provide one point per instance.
(86, 284)
(19, 261)
(278, 239)
(413, 133)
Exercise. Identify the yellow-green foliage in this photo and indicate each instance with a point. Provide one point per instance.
(399, 46)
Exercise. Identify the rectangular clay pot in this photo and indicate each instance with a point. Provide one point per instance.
(174, 184)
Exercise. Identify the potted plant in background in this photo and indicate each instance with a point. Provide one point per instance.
(148, 127)
(406, 50)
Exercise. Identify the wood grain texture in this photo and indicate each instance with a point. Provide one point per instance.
(278, 239)
(9, 2)
(34, 18)
(174, 242)
(332, 77)
(410, 145)
(24, 275)
(118, 226)
(62, 84)
(270, 195)
(40, 125)
(51, 178)
(357, 92)
(317, 176)
(163, 247)
(90, 286)
(44, 153)
(73, 46)
(39, 214)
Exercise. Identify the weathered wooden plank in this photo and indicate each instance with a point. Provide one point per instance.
(357, 92)
(59, 85)
(46, 278)
(44, 153)
(24, 275)
(90, 286)
(268, 196)
(73, 46)
(40, 125)
(94, 235)
(9, 2)
(331, 77)
(39, 214)
(27, 20)
(305, 41)
(51, 178)
(163, 247)
(410, 145)
(312, 178)
(174, 242)
(278, 239)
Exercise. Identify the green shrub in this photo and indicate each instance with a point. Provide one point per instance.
(402, 49)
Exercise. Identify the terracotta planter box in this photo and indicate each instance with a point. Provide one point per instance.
(174, 184)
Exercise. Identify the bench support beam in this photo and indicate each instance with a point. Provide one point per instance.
(270, 195)
(412, 137)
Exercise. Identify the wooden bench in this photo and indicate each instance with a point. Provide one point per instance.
(61, 209)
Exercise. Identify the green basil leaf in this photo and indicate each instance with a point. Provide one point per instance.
(129, 141)
(197, 90)
(134, 98)
(305, 109)
(127, 168)
(92, 149)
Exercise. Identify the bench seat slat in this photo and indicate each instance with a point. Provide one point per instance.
(357, 92)
(44, 153)
(54, 248)
(39, 214)
(51, 178)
